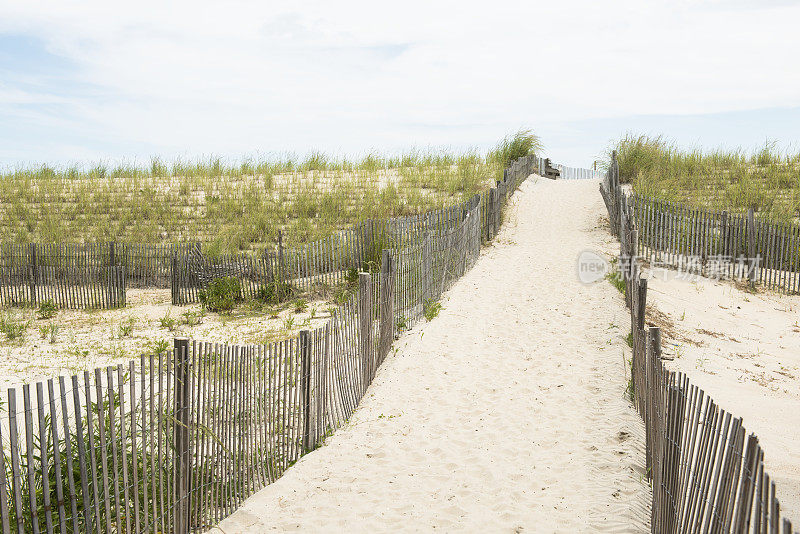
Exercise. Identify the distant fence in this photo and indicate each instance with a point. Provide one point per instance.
(575, 173)
(707, 476)
(175, 441)
(713, 243)
(96, 275)
(92, 275)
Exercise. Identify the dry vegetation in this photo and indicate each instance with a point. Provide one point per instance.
(239, 206)
(227, 207)
(767, 181)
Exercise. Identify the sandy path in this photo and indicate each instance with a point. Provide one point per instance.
(504, 414)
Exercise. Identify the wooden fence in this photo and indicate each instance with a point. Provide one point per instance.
(175, 441)
(713, 243)
(68, 284)
(707, 474)
(326, 263)
(96, 274)
(575, 173)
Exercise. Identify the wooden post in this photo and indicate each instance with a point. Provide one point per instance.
(34, 273)
(751, 246)
(387, 305)
(365, 326)
(723, 230)
(305, 387)
(112, 277)
(655, 340)
(175, 288)
(182, 458)
(489, 216)
(642, 304)
(369, 239)
(281, 271)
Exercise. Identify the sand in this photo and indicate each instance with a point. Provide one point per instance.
(87, 339)
(507, 413)
(744, 350)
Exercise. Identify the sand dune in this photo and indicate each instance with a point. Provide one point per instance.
(505, 414)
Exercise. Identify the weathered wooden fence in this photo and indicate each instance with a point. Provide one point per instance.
(96, 274)
(713, 243)
(72, 276)
(175, 441)
(707, 474)
(325, 263)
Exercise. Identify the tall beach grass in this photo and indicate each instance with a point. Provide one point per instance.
(764, 179)
(238, 205)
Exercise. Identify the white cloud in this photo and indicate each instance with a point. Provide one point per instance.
(234, 77)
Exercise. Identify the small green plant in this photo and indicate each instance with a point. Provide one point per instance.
(629, 339)
(54, 328)
(401, 324)
(222, 294)
(48, 331)
(288, 323)
(13, 328)
(78, 352)
(274, 292)
(168, 321)
(159, 346)
(191, 318)
(616, 280)
(351, 277)
(126, 327)
(431, 309)
(300, 305)
(47, 309)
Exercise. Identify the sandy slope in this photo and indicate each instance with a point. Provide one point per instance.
(505, 414)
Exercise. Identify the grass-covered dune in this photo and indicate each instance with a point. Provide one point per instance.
(734, 180)
(240, 205)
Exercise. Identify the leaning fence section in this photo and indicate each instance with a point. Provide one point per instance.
(707, 473)
(176, 440)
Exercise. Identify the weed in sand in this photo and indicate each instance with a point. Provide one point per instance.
(300, 305)
(13, 327)
(126, 327)
(168, 321)
(47, 309)
(431, 309)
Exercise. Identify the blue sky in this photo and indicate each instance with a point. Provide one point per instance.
(97, 81)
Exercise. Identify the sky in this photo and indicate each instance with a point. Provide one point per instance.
(121, 82)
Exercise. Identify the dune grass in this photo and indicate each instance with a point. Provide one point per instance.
(735, 180)
(239, 205)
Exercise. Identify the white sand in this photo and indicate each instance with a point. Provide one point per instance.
(505, 414)
(88, 339)
(744, 350)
